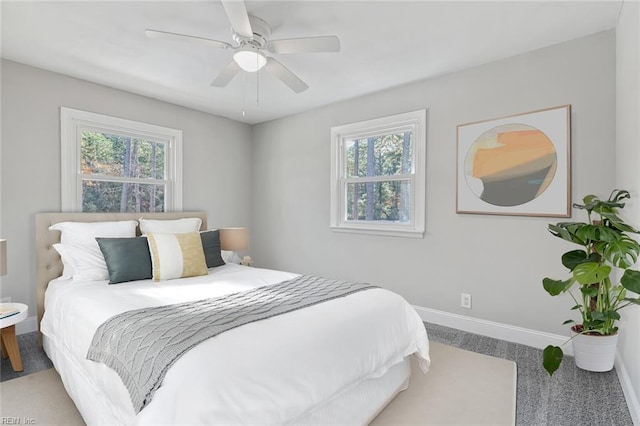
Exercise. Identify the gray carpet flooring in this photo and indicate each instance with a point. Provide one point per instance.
(33, 358)
(572, 397)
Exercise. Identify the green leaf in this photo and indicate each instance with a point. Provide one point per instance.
(612, 315)
(576, 307)
(604, 233)
(551, 358)
(588, 199)
(591, 291)
(555, 287)
(594, 326)
(588, 232)
(617, 222)
(622, 252)
(617, 195)
(603, 316)
(566, 231)
(591, 272)
(573, 258)
(631, 280)
(590, 203)
(622, 293)
(569, 321)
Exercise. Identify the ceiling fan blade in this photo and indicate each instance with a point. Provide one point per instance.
(287, 77)
(305, 45)
(226, 75)
(184, 37)
(238, 17)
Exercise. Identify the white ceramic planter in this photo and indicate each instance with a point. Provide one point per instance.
(594, 353)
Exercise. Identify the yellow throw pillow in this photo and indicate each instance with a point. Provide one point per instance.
(176, 255)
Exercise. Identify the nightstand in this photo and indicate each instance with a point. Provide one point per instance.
(10, 347)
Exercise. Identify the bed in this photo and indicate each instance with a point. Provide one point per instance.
(337, 362)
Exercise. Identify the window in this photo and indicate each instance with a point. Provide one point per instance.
(378, 176)
(115, 165)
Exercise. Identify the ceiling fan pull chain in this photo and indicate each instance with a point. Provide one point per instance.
(257, 88)
(244, 85)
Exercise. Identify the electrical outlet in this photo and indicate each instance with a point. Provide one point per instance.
(465, 300)
(5, 300)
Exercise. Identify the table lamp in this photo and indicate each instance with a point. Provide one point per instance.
(234, 239)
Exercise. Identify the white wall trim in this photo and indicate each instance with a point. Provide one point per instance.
(71, 123)
(510, 333)
(627, 389)
(28, 325)
(416, 123)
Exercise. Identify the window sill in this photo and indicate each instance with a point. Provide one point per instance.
(374, 230)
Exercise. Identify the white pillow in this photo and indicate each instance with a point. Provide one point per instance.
(226, 255)
(87, 265)
(174, 226)
(85, 233)
(81, 248)
(68, 269)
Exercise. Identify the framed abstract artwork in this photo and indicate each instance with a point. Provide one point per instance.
(516, 165)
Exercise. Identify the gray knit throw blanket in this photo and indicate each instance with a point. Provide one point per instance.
(141, 345)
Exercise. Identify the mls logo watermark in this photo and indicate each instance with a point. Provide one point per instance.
(17, 421)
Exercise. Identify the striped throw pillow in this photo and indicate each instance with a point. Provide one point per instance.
(176, 255)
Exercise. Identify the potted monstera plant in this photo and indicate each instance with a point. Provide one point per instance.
(606, 243)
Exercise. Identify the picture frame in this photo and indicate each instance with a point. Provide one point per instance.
(518, 165)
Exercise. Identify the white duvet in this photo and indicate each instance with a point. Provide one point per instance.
(268, 372)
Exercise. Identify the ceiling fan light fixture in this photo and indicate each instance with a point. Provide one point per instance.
(250, 59)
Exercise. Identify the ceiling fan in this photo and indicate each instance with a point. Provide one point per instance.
(250, 35)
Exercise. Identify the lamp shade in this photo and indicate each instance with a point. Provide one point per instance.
(234, 239)
(3, 257)
(250, 59)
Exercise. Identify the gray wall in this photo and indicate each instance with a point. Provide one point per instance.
(216, 171)
(500, 260)
(627, 170)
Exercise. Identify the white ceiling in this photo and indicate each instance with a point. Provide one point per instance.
(384, 44)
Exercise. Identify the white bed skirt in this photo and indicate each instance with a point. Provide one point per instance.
(361, 404)
(358, 405)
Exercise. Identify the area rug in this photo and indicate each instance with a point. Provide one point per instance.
(38, 399)
(461, 388)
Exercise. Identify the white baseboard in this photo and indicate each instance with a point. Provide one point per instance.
(27, 326)
(629, 394)
(537, 339)
(510, 333)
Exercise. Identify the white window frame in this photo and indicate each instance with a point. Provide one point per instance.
(73, 121)
(415, 121)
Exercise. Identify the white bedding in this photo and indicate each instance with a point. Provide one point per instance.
(269, 372)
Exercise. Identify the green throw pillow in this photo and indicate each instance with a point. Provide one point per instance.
(211, 246)
(127, 259)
